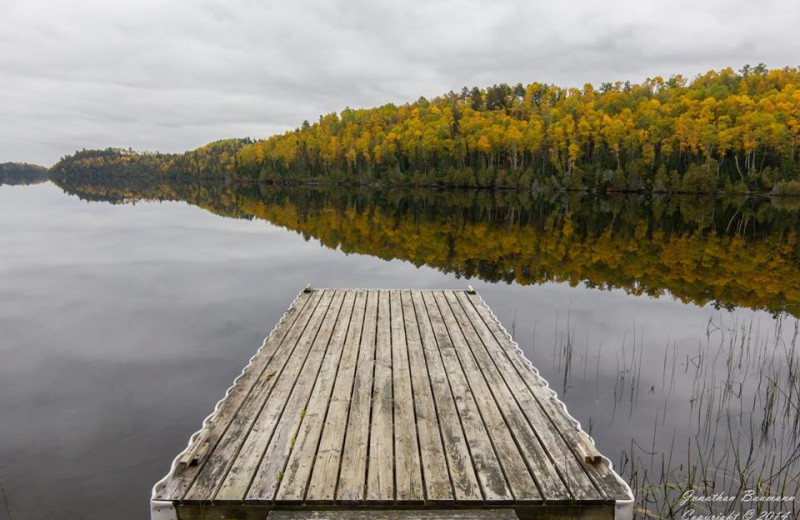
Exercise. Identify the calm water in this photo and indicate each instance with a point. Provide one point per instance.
(667, 326)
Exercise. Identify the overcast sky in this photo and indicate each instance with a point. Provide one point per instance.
(173, 75)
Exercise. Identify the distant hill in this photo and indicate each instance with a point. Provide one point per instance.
(214, 160)
(22, 173)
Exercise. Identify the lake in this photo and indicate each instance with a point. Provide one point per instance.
(127, 308)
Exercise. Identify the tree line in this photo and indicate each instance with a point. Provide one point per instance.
(215, 160)
(723, 131)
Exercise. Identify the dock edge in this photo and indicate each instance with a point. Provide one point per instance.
(165, 509)
(623, 508)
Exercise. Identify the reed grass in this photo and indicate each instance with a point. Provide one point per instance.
(725, 411)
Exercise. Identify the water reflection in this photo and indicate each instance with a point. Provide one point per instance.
(729, 252)
(123, 324)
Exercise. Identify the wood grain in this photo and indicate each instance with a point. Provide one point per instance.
(402, 401)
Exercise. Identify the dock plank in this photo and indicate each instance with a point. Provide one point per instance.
(487, 466)
(325, 475)
(353, 471)
(436, 475)
(571, 469)
(238, 479)
(380, 474)
(214, 471)
(270, 472)
(304, 449)
(459, 459)
(539, 460)
(408, 472)
(511, 460)
(607, 481)
(228, 414)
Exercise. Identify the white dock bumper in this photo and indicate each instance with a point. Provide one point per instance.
(162, 510)
(623, 510)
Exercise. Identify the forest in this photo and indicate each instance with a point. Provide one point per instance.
(735, 251)
(725, 131)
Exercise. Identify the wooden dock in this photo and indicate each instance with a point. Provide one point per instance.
(377, 403)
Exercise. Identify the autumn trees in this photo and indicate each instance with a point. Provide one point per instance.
(726, 130)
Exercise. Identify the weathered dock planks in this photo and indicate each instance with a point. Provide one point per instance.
(389, 400)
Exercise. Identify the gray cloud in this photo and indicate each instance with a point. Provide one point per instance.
(171, 75)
